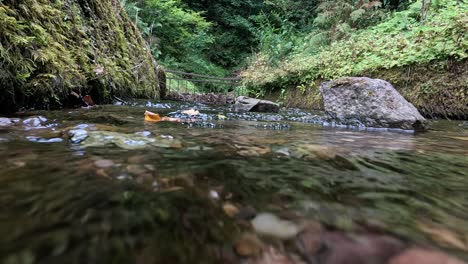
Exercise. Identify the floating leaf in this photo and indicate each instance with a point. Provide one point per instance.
(152, 117)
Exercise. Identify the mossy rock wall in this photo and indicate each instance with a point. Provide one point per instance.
(49, 48)
(438, 89)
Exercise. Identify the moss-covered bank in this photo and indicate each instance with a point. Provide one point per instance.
(438, 89)
(50, 48)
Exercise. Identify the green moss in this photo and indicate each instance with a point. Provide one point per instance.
(436, 89)
(49, 48)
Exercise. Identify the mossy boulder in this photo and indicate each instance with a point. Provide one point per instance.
(50, 48)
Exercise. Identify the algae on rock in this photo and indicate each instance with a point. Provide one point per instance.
(50, 48)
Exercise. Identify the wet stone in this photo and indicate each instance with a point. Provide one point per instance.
(230, 209)
(124, 177)
(270, 225)
(283, 151)
(272, 255)
(44, 140)
(5, 121)
(78, 135)
(248, 245)
(126, 141)
(137, 170)
(423, 256)
(204, 125)
(158, 105)
(274, 126)
(104, 163)
(143, 133)
(35, 122)
(309, 241)
(246, 104)
(246, 213)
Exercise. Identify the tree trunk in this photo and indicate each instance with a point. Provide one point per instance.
(393, 4)
(426, 4)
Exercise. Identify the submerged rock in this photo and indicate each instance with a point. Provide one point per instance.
(365, 102)
(248, 245)
(35, 122)
(247, 104)
(5, 121)
(359, 249)
(230, 209)
(44, 140)
(422, 256)
(267, 224)
(126, 141)
(104, 163)
(77, 135)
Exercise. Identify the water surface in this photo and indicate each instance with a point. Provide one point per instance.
(153, 192)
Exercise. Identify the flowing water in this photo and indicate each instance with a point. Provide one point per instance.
(103, 186)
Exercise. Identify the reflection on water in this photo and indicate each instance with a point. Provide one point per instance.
(134, 192)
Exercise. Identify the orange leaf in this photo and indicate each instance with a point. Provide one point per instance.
(152, 117)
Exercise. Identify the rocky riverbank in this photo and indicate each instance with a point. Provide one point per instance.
(437, 90)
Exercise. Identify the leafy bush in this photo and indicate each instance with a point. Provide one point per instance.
(404, 39)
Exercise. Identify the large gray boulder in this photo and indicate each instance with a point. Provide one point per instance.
(247, 104)
(365, 102)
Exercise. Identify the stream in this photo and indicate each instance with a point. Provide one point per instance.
(101, 185)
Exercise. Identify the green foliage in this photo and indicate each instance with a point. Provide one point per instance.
(179, 37)
(398, 41)
(233, 29)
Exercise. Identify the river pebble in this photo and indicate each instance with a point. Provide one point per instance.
(422, 256)
(214, 195)
(230, 209)
(5, 121)
(35, 122)
(274, 126)
(283, 151)
(78, 135)
(44, 140)
(248, 245)
(267, 224)
(104, 163)
(143, 133)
